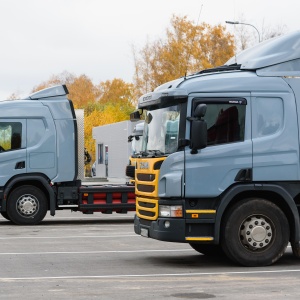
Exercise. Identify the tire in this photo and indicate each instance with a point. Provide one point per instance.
(27, 205)
(255, 233)
(208, 249)
(5, 215)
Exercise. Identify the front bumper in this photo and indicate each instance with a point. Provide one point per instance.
(157, 229)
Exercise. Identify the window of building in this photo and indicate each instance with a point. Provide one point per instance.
(100, 153)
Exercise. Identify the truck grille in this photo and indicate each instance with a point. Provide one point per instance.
(146, 176)
(146, 187)
(147, 208)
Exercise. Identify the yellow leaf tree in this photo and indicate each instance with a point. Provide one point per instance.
(81, 89)
(108, 102)
(114, 104)
(188, 48)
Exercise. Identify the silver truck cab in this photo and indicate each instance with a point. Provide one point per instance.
(38, 145)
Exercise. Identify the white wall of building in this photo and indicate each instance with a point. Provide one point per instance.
(115, 138)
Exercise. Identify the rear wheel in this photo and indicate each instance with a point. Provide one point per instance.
(207, 249)
(255, 233)
(27, 205)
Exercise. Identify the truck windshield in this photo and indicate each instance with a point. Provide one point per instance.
(136, 144)
(161, 131)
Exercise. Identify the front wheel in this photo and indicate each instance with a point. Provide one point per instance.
(255, 233)
(27, 205)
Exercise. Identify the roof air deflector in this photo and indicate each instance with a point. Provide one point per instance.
(54, 91)
(270, 52)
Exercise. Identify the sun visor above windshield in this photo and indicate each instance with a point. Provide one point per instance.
(159, 97)
(170, 84)
(271, 52)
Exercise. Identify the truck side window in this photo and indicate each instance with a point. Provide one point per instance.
(267, 116)
(225, 123)
(10, 136)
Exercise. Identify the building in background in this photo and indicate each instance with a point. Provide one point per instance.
(112, 149)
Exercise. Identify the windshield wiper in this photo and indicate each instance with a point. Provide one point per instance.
(150, 153)
(143, 154)
(157, 152)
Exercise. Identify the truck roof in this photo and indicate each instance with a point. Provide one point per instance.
(54, 98)
(235, 81)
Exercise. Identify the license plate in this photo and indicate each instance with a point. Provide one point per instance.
(144, 232)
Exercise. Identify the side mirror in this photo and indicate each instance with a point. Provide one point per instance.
(200, 111)
(199, 136)
(135, 116)
(199, 129)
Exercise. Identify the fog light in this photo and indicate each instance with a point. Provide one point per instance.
(167, 224)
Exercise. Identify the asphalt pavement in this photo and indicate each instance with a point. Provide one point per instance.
(77, 256)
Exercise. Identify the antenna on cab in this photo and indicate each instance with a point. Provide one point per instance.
(189, 53)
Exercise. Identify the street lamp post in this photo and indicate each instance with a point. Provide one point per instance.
(240, 23)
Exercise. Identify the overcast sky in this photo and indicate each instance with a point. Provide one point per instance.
(41, 38)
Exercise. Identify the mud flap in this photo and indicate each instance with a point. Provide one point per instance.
(296, 248)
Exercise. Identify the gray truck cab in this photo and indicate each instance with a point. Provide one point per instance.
(234, 160)
(38, 146)
(37, 135)
(136, 140)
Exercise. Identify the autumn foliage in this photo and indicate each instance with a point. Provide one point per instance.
(109, 102)
(187, 48)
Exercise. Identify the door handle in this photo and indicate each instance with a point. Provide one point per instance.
(20, 165)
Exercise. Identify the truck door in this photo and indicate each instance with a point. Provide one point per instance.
(12, 148)
(275, 137)
(42, 149)
(228, 155)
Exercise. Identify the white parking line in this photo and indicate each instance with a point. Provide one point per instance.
(73, 226)
(66, 237)
(113, 218)
(93, 252)
(153, 275)
(100, 217)
(99, 252)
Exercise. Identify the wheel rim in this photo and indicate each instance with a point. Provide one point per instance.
(27, 205)
(256, 233)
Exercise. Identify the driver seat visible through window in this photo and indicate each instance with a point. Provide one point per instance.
(226, 128)
(16, 141)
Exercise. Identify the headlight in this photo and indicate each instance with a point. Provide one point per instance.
(170, 211)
